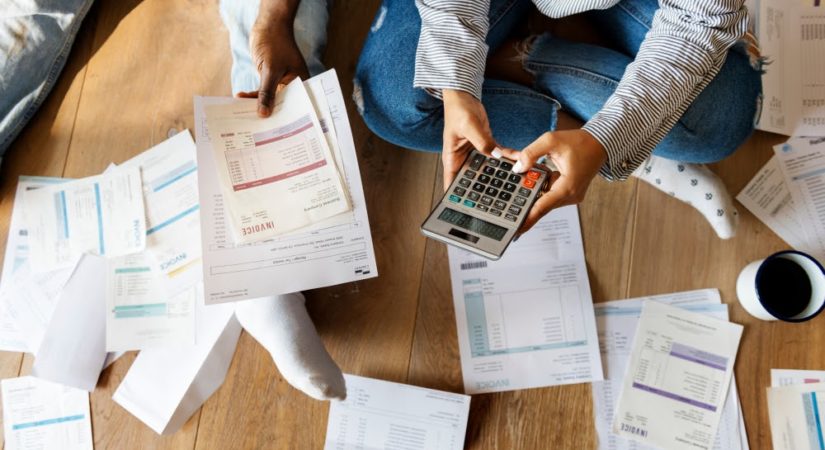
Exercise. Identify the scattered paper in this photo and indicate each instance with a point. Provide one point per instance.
(677, 378)
(102, 215)
(325, 254)
(795, 418)
(526, 320)
(788, 377)
(40, 415)
(383, 415)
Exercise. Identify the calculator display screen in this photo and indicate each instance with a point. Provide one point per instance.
(471, 223)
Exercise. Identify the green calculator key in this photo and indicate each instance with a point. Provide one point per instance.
(470, 203)
(454, 198)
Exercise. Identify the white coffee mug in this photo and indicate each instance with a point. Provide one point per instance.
(749, 298)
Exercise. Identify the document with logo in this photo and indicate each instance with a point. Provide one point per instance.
(334, 251)
(169, 173)
(527, 320)
(617, 322)
(380, 414)
(277, 174)
(795, 413)
(788, 377)
(677, 378)
(39, 414)
(102, 215)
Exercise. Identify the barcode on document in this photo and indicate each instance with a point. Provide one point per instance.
(473, 265)
(634, 430)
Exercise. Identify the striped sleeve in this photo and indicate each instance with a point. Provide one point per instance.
(451, 49)
(683, 51)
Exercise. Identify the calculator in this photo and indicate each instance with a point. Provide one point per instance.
(485, 205)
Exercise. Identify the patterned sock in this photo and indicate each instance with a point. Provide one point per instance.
(695, 185)
(281, 324)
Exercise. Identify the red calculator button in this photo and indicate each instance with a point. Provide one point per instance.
(533, 175)
(528, 183)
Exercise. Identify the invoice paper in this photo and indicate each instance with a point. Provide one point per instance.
(527, 320)
(102, 215)
(677, 378)
(787, 377)
(803, 164)
(792, 37)
(795, 416)
(40, 415)
(331, 252)
(140, 312)
(277, 174)
(169, 174)
(617, 322)
(383, 415)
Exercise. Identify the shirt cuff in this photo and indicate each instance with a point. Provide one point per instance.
(621, 161)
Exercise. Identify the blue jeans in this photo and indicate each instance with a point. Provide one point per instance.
(36, 36)
(574, 76)
(310, 36)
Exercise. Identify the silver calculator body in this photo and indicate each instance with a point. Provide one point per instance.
(485, 205)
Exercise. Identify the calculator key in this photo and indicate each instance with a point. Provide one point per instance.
(501, 174)
(459, 191)
(486, 200)
(478, 187)
(524, 191)
(505, 196)
(509, 217)
(520, 201)
(500, 204)
(491, 191)
(478, 160)
(489, 170)
(509, 187)
(495, 212)
(454, 198)
(481, 207)
(474, 196)
(465, 183)
(514, 178)
(470, 203)
(484, 179)
(513, 209)
(496, 183)
(533, 175)
(493, 162)
(469, 174)
(506, 166)
(528, 183)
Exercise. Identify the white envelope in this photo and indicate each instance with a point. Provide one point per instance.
(165, 386)
(73, 349)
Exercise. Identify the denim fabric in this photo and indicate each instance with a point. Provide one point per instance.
(310, 36)
(36, 36)
(579, 76)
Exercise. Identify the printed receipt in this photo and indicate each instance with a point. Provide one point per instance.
(40, 415)
(677, 379)
(278, 174)
(102, 215)
(383, 415)
(795, 413)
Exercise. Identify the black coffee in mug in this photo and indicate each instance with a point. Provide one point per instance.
(783, 287)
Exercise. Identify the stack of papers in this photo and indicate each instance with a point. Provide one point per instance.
(785, 194)
(794, 406)
(617, 322)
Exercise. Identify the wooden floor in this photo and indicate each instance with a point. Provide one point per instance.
(130, 81)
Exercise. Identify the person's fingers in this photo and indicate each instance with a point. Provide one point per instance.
(528, 157)
(558, 195)
(481, 138)
(266, 94)
(505, 152)
(450, 170)
(246, 94)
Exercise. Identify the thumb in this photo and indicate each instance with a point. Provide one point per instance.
(481, 138)
(266, 93)
(528, 157)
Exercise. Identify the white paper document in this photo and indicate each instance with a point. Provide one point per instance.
(334, 251)
(169, 174)
(788, 377)
(792, 37)
(802, 162)
(277, 174)
(383, 415)
(102, 215)
(526, 320)
(795, 413)
(677, 378)
(40, 415)
(617, 322)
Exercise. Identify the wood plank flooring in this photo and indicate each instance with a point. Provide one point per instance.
(129, 82)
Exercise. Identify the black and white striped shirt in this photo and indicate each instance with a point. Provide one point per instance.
(683, 51)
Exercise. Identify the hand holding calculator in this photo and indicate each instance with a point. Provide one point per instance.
(485, 205)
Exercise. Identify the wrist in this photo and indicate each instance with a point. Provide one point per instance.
(597, 149)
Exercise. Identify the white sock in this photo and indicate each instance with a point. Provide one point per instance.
(281, 324)
(695, 185)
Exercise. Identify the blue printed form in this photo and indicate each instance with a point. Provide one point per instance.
(677, 378)
(796, 416)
